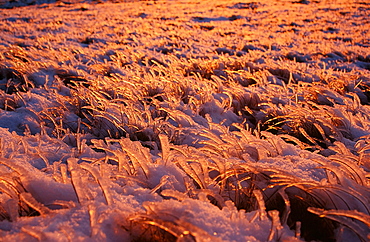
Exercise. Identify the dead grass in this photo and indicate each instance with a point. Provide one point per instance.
(228, 110)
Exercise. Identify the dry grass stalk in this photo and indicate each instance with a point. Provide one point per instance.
(102, 181)
(31, 201)
(76, 180)
(342, 216)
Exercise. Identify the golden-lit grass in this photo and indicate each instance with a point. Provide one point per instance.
(263, 105)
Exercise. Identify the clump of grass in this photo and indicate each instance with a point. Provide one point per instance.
(159, 225)
(344, 218)
(307, 126)
(9, 102)
(18, 202)
(12, 81)
(302, 195)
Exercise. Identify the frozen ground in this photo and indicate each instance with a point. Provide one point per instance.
(185, 120)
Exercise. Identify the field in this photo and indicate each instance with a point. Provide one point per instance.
(185, 120)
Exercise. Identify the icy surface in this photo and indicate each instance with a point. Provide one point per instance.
(187, 120)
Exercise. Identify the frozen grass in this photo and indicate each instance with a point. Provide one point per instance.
(185, 120)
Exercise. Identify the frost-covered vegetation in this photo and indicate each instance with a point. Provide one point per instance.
(185, 121)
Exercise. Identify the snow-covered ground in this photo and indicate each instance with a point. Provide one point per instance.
(185, 120)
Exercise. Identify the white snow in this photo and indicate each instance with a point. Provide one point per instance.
(182, 120)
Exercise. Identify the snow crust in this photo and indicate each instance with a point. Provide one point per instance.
(184, 120)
